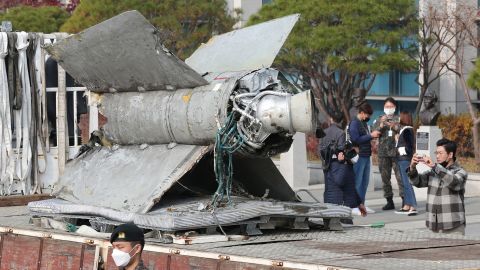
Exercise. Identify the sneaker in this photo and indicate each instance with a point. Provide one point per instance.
(356, 212)
(369, 210)
(412, 212)
(402, 212)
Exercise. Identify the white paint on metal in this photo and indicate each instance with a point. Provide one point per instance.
(249, 48)
(62, 135)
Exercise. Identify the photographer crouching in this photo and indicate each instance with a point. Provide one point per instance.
(338, 157)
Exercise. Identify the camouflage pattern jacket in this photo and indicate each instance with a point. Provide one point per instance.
(140, 266)
(386, 143)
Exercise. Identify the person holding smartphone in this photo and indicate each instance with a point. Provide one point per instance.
(405, 148)
(388, 125)
(446, 188)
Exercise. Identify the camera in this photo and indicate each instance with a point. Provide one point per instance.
(350, 152)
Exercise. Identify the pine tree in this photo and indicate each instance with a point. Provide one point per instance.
(339, 45)
(184, 24)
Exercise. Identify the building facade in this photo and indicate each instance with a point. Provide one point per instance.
(400, 85)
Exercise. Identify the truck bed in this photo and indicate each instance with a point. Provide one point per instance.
(23, 246)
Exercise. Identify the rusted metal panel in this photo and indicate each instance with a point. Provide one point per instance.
(20, 252)
(179, 262)
(249, 48)
(108, 262)
(124, 53)
(17, 200)
(61, 255)
(89, 260)
(156, 260)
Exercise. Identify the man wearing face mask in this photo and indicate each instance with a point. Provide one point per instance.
(446, 188)
(389, 126)
(128, 242)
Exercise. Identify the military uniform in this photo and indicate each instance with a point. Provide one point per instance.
(387, 154)
(140, 266)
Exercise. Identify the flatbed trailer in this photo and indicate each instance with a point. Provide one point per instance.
(24, 246)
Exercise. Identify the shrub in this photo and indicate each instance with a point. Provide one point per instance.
(458, 128)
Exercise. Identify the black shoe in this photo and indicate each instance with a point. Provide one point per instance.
(389, 205)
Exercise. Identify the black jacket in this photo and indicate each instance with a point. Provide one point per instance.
(405, 143)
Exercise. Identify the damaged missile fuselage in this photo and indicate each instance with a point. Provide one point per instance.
(209, 134)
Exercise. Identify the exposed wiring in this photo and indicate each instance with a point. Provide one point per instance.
(227, 141)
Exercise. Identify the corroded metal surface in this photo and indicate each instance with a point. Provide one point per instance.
(177, 215)
(121, 54)
(157, 117)
(127, 179)
(248, 48)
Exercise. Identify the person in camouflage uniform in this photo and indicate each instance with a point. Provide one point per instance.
(388, 125)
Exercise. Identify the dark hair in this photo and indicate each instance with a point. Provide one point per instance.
(134, 243)
(365, 108)
(450, 146)
(391, 100)
(337, 118)
(406, 118)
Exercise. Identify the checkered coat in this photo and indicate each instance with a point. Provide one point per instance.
(445, 200)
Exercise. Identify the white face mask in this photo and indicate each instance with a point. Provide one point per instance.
(389, 111)
(121, 258)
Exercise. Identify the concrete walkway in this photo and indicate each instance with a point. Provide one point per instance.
(376, 201)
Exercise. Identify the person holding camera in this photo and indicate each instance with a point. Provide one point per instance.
(388, 125)
(405, 147)
(361, 138)
(446, 188)
(338, 169)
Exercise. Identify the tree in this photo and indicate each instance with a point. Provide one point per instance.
(5, 4)
(339, 45)
(474, 77)
(429, 46)
(474, 82)
(463, 21)
(184, 24)
(46, 19)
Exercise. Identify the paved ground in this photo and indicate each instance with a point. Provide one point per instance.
(405, 243)
(375, 201)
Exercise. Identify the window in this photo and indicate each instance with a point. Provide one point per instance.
(395, 83)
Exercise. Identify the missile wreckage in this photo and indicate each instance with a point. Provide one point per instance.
(192, 140)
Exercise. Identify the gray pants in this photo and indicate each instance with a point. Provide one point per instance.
(385, 165)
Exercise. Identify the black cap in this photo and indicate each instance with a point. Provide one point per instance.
(128, 232)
